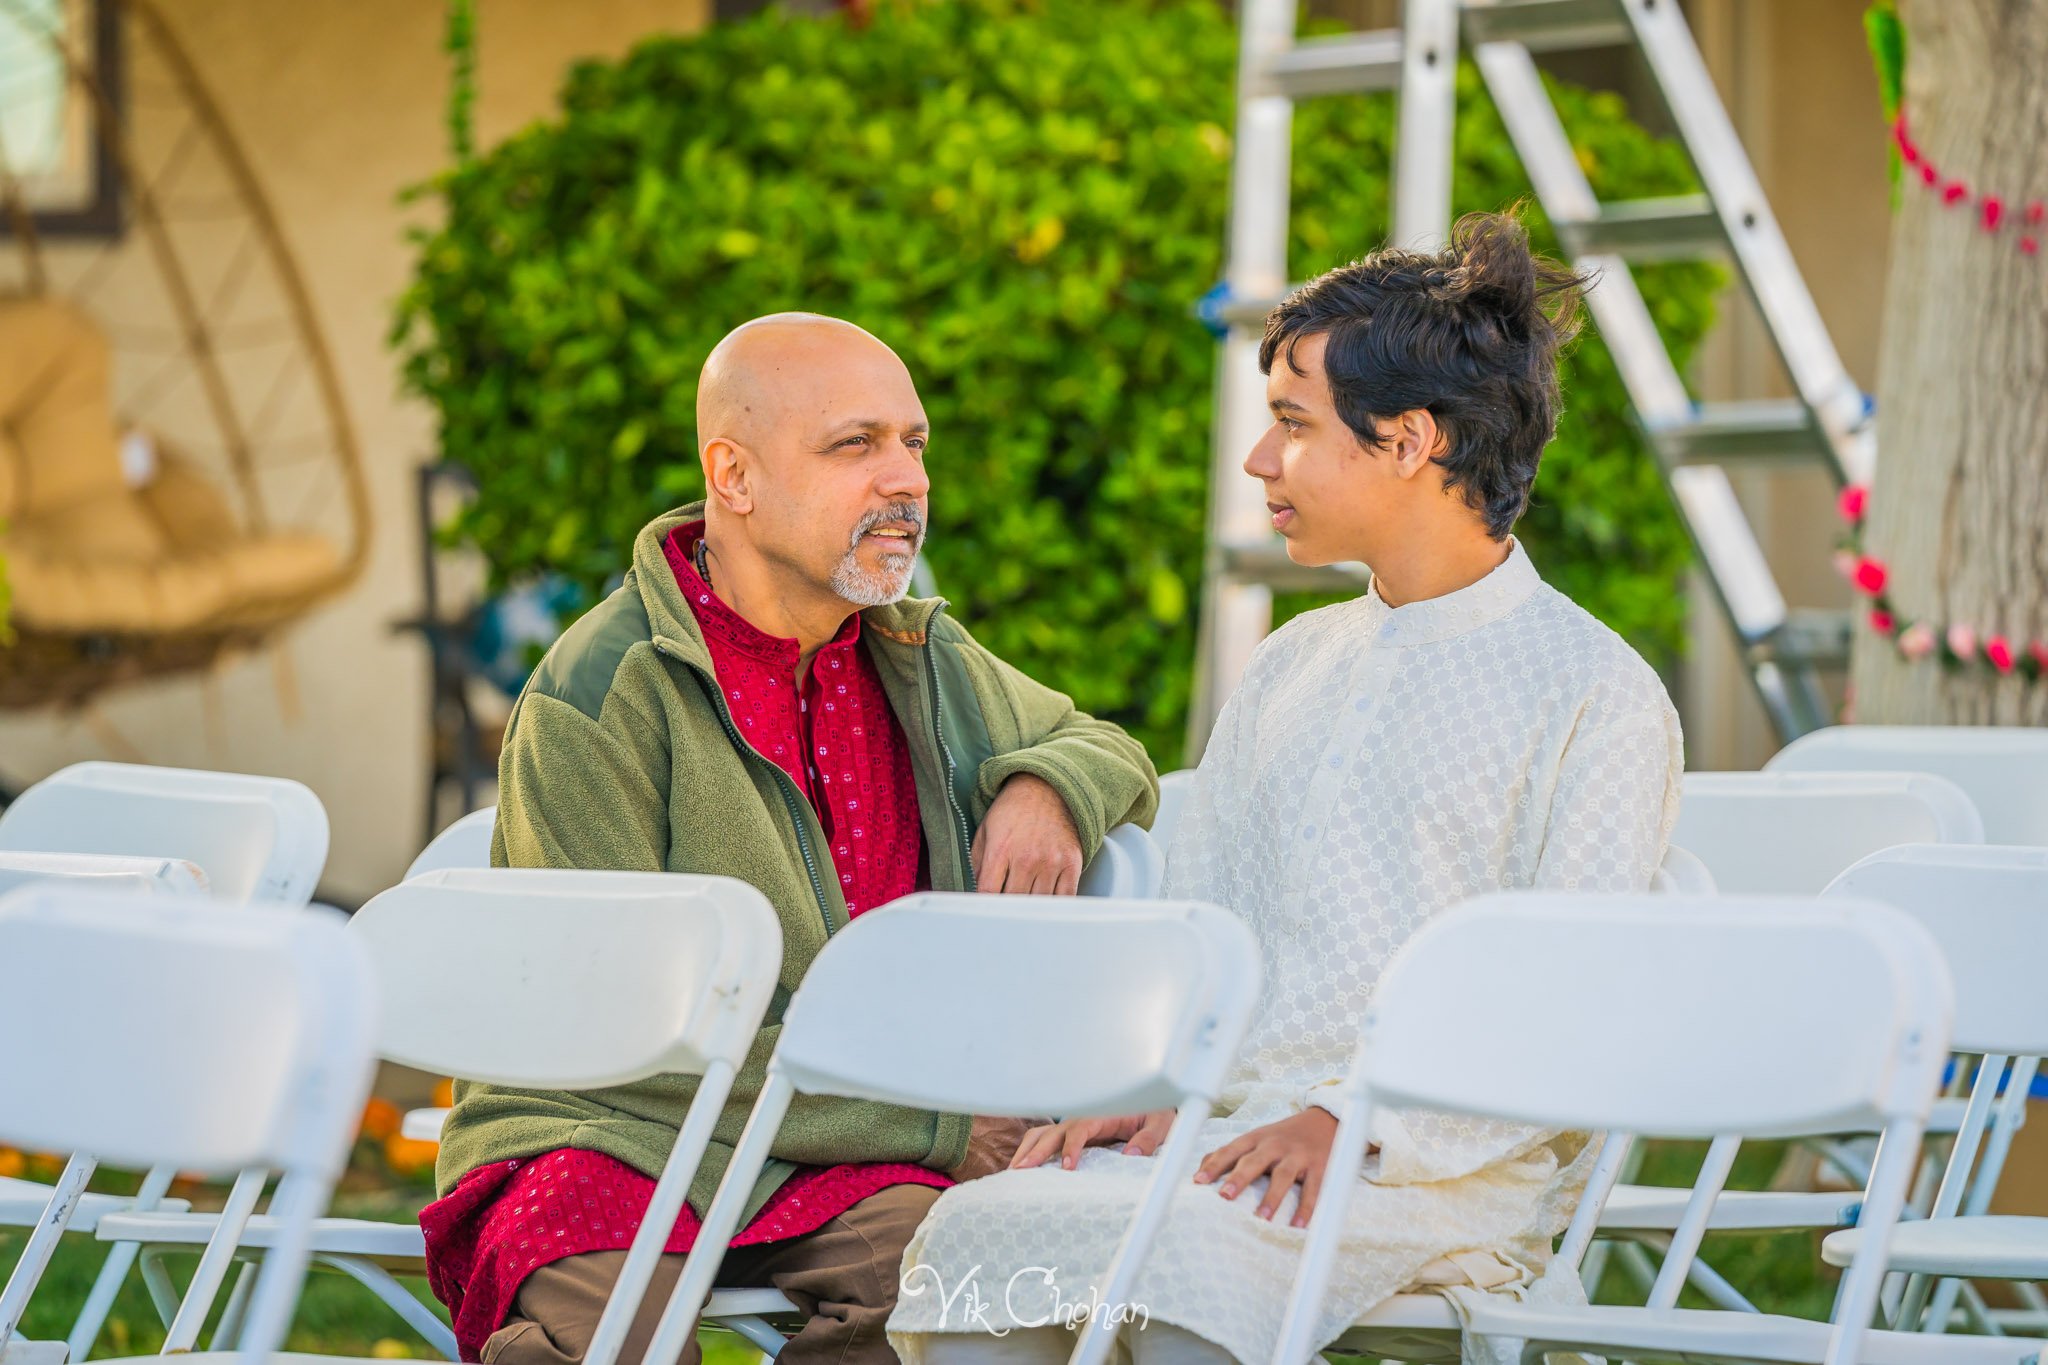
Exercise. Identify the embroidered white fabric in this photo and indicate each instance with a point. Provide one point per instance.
(1377, 766)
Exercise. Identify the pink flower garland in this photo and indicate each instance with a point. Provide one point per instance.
(1992, 211)
(1958, 646)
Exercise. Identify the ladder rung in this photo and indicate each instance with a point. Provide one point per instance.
(1266, 563)
(1342, 65)
(1548, 25)
(1808, 639)
(1681, 227)
(1769, 429)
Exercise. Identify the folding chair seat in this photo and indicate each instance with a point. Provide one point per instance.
(1146, 857)
(987, 963)
(678, 982)
(2002, 769)
(267, 1076)
(105, 871)
(1988, 908)
(1793, 1017)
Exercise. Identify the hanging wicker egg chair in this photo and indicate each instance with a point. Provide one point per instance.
(179, 481)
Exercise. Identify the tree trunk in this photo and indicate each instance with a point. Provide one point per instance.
(1959, 508)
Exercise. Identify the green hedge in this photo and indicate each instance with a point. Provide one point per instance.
(1024, 197)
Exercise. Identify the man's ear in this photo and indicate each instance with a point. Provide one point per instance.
(1415, 440)
(725, 476)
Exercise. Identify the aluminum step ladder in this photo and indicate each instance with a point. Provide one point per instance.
(1830, 420)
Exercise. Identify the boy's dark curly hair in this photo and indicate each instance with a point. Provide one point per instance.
(1470, 333)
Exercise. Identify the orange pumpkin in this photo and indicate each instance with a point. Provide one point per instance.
(381, 1119)
(444, 1094)
(12, 1164)
(409, 1156)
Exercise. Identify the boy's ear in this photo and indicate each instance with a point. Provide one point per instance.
(1416, 440)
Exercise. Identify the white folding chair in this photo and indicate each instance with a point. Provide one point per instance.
(1147, 858)
(987, 965)
(2003, 769)
(1793, 833)
(466, 843)
(571, 980)
(1988, 908)
(255, 838)
(246, 839)
(1682, 874)
(1791, 1016)
(103, 871)
(1173, 798)
(257, 1059)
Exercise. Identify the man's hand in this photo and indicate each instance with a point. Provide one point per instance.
(1141, 1135)
(1293, 1151)
(990, 1145)
(1027, 845)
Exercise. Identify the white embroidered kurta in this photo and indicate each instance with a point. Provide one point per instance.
(1377, 766)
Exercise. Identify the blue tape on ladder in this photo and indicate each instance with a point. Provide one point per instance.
(1209, 309)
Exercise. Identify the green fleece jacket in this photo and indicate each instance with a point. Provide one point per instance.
(621, 754)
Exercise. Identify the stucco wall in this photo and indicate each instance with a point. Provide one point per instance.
(339, 105)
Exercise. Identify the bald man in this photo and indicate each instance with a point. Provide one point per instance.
(760, 700)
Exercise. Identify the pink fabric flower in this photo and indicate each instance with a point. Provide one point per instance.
(1962, 641)
(1869, 576)
(1999, 652)
(1882, 622)
(1954, 192)
(1845, 563)
(2039, 653)
(1916, 641)
(1853, 501)
(1994, 212)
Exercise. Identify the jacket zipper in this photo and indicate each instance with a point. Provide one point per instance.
(783, 784)
(939, 736)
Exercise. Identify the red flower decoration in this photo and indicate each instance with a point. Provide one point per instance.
(2039, 652)
(2030, 245)
(1999, 653)
(1928, 173)
(1853, 502)
(1869, 576)
(1953, 191)
(1994, 212)
(2036, 212)
(1882, 622)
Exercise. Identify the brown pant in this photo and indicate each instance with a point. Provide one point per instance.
(844, 1275)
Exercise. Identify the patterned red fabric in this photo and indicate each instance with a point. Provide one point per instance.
(840, 742)
(504, 1221)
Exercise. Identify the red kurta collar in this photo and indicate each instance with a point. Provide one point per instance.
(734, 629)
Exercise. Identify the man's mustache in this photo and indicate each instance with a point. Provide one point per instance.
(896, 514)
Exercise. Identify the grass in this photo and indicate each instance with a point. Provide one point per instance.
(1780, 1272)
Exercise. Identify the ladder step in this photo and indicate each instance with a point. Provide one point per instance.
(1766, 429)
(1682, 227)
(1547, 25)
(1345, 64)
(1809, 639)
(1266, 564)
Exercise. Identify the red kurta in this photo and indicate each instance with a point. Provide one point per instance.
(840, 742)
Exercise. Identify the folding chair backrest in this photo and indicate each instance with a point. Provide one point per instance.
(1173, 796)
(255, 838)
(1754, 1016)
(464, 844)
(1110, 874)
(1987, 907)
(2003, 769)
(1024, 1005)
(1148, 859)
(569, 979)
(1682, 874)
(257, 1045)
(102, 871)
(1793, 833)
